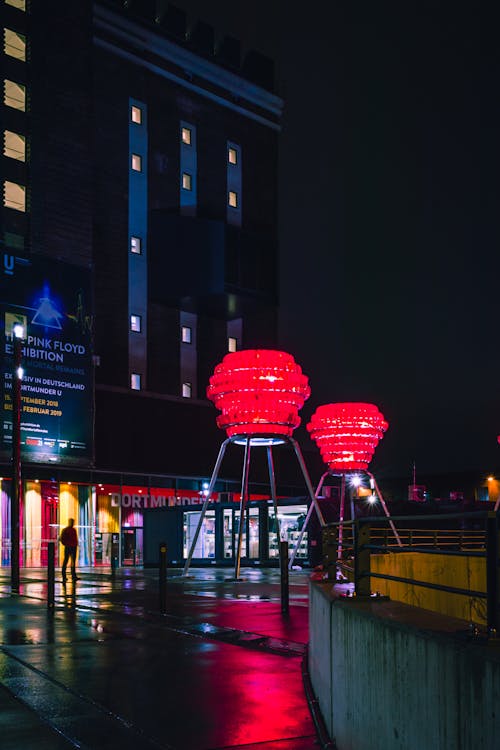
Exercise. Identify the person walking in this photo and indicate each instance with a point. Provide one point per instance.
(69, 539)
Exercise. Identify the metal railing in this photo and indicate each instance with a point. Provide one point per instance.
(365, 536)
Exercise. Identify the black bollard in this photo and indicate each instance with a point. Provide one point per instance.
(163, 578)
(51, 574)
(284, 578)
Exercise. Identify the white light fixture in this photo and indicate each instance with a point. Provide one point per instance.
(18, 330)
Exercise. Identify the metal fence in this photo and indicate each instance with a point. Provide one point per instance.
(368, 535)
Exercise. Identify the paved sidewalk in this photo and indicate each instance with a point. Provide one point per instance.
(221, 668)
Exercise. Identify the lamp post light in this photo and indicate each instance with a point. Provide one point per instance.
(17, 486)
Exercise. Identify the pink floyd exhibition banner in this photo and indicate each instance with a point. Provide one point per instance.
(50, 303)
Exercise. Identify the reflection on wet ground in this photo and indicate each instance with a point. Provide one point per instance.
(104, 669)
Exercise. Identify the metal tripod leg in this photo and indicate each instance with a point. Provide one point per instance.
(208, 496)
(272, 485)
(341, 517)
(386, 510)
(244, 494)
(312, 497)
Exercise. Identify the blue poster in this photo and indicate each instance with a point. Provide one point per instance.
(52, 303)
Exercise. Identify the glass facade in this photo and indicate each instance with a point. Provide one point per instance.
(110, 522)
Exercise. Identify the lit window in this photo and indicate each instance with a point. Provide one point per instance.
(19, 4)
(186, 335)
(135, 323)
(232, 199)
(14, 44)
(186, 390)
(135, 245)
(14, 95)
(135, 381)
(14, 196)
(186, 181)
(136, 163)
(136, 115)
(186, 136)
(232, 156)
(14, 145)
(231, 344)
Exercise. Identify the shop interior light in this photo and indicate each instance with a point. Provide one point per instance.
(259, 392)
(347, 434)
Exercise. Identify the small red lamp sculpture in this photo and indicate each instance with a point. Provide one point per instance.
(259, 393)
(347, 435)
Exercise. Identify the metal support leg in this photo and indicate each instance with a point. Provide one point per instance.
(320, 484)
(353, 516)
(215, 474)
(341, 517)
(244, 494)
(314, 502)
(272, 485)
(386, 510)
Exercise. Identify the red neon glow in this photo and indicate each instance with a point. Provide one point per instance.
(347, 434)
(259, 392)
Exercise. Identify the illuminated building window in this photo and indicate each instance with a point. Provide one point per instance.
(135, 381)
(136, 163)
(187, 182)
(186, 136)
(231, 344)
(19, 4)
(186, 390)
(186, 334)
(14, 196)
(135, 245)
(135, 323)
(232, 155)
(14, 95)
(14, 145)
(14, 44)
(136, 114)
(232, 199)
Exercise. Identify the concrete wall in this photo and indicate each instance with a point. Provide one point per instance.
(451, 570)
(389, 676)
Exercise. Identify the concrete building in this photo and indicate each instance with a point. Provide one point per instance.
(139, 176)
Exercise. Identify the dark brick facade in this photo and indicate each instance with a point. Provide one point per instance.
(80, 76)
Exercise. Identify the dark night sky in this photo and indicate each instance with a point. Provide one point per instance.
(389, 205)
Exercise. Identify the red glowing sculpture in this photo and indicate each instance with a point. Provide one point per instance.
(347, 434)
(259, 392)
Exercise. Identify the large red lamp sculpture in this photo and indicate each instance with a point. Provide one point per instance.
(347, 435)
(259, 393)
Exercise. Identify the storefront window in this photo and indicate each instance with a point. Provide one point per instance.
(205, 544)
(291, 519)
(5, 520)
(107, 529)
(228, 533)
(252, 526)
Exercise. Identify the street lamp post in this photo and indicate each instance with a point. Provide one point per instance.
(17, 376)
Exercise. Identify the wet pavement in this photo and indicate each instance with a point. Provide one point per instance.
(220, 668)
